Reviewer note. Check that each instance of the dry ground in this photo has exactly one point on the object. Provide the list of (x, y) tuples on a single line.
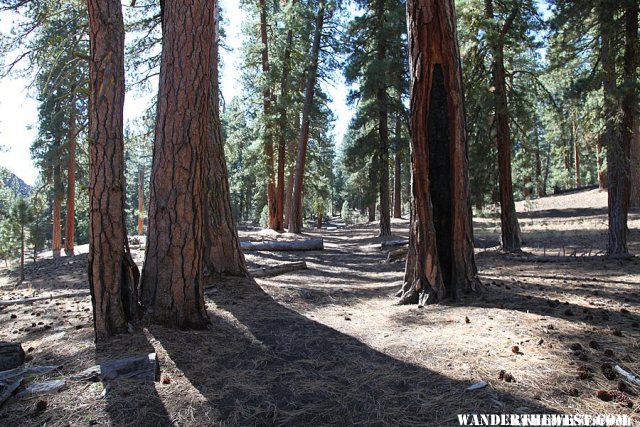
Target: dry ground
[(326, 346)]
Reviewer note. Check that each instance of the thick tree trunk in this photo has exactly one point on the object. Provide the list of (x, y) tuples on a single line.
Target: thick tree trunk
[(511, 241), (140, 200), (371, 209), (223, 255), (295, 216), (618, 143), (268, 133), (440, 260), (173, 283), (56, 231), (69, 235), (113, 277)]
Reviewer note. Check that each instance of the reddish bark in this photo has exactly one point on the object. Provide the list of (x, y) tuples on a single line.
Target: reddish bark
[(173, 282), (619, 148), (140, 200), (273, 222), (397, 175), (223, 255), (113, 277), (510, 228), (383, 126), (440, 260), (295, 215), (69, 234), (56, 230)]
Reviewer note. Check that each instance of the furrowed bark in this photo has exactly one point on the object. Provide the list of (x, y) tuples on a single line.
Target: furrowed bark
[(440, 259), (113, 277), (173, 282)]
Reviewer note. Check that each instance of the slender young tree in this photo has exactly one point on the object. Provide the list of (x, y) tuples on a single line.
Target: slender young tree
[(21, 215), (295, 214), (511, 240), (173, 282), (113, 276), (69, 224), (440, 261)]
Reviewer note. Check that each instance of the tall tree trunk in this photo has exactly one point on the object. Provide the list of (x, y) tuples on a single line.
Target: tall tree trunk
[(383, 125), (113, 276), (303, 138), (635, 167), (282, 137), (576, 148), (140, 200), (617, 144), (223, 255), (69, 234), (511, 241), (21, 253), (56, 231), (397, 185), (440, 261), (619, 148), (173, 282), (268, 133), (539, 186)]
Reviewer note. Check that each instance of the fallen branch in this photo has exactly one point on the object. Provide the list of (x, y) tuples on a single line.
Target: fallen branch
[(6, 376), (7, 389), (572, 258), (632, 378), (278, 269), (281, 245), (4, 303)]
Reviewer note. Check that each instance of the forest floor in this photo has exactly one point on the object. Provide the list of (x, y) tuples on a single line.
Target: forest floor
[(327, 345)]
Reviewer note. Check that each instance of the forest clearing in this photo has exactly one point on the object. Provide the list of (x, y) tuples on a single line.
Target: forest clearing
[(327, 345), (319, 212)]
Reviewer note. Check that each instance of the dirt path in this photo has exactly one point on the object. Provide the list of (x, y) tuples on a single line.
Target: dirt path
[(326, 346)]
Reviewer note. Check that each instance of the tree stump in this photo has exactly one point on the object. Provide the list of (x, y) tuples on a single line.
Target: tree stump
[(11, 355)]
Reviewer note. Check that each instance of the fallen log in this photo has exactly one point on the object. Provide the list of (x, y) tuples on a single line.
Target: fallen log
[(11, 355), (36, 299), (141, 368), (393, 244), (8, 376), (397, 255), (281, 245), (45, 387), (570, 258), (278, 269)]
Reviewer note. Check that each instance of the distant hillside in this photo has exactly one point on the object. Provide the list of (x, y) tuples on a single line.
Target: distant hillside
[(15, 184)]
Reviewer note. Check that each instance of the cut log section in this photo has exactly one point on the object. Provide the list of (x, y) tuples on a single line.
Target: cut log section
[(278, 269), (141, 368), (281, 245), (397, 255), (11, 355)]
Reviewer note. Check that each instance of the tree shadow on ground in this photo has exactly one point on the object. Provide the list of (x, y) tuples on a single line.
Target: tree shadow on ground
[(265, 364)]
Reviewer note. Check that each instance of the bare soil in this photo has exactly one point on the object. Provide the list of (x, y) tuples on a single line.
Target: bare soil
[(327, 345)]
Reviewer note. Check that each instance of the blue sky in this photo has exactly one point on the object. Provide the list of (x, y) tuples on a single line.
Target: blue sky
[(18, 111)]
